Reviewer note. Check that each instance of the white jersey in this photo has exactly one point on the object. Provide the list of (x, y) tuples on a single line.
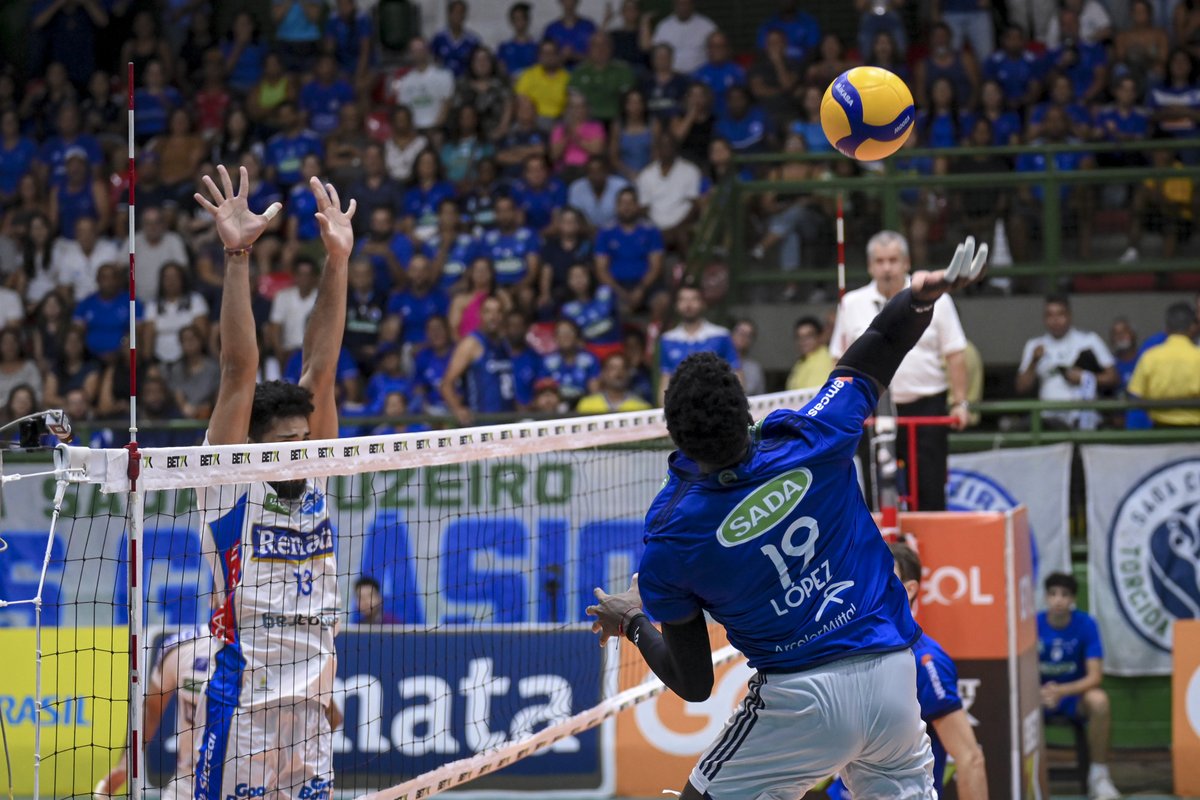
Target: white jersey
[(275, 592), (184, 665)]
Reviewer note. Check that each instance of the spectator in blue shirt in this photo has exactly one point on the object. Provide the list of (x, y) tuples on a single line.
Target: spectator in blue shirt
[(693, 334), (593, 309), (540, 195), (799, 28), (388, 377), (629, 255), (664, 88), (17, 155), (1062, 96), (104, 314), (719, 73), (1086, 65), (424, 194), (526, 362), (521, 51), (452, 47), (52, 155), (940, 125), (419, 301), (296, 31), (155, 101), (574, 369), (302, 225), (375, 189), (243, 52), (1005, 124), (349, 36), (1076, 199), (286, 150), (77, 196), (513, 249), (1015, 69), (570, 32), (742, 124), (465, 149), (322, 97), (451, 247), (1176, 102), (1071, 660), (388, 250), (429, 365), (1123, 121)]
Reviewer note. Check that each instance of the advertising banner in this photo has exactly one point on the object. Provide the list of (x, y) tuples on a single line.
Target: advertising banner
[(1143, 513), (1185, 708), (1038, 478)]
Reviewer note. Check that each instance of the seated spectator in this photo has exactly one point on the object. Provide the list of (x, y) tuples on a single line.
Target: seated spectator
[(829, 63), (16, 367), (773, 79), (104, 117), (594, 194), (302, 228), (36, 278), (1095, 24), (452, 47), (180, 152), (366, 307), (808, 126), (465, 147), (1171, 371), (1015, 68), (1065, 364), (396, 404), (375, 190), (244, 53), (521, 51), (948, 60), (1071, 661), (513, 250), (482, 366), (196, 376), (479, 205), (322, 98), (687, 31), (403, 146), (571, 33), (695, 127), (631, 141), (743, 124), (235, 140), (290, 310), (296, 33), (104, 314), (1123, 121), (744, 334), (1060, 96), (51, 320), (545, 83), (813, 361), (156, 404), (425, 193), (483, 89), (1005, 125), (576, 138), (348, 386), (17, 156), (882, 18), (274, 88), (801, 32), (613, 394), (547, 399), (426, 89), (719, 72), (1076, 199), (43, 99), (387, 251), (1163, 204), (177, 306), (452, 248), (154, 101), (669, 189), (664, 87), (389, 376), (74, 369), (478, 285), (641, 380), (940, 123), (593, 308), (368, 603), (573, 368), (76, 261), (1084, 64), (1176, 103), (287, 149), (79, 195), (12, 310), (602, 80), (526, 362), (632, 35), (346, 145), (570, 245), (968, 21), (795, 220), (431, 361), (885, 53), (349, 37), (523, 140), (629, 255), (539, 196), (693, 334), (980, 208), (419, 301)]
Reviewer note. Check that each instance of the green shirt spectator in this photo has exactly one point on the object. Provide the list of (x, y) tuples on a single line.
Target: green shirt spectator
[(602, 80)]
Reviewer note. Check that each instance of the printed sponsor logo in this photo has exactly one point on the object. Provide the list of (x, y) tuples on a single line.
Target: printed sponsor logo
[(270, 457), (176, 462), (350, 451), (272, 543), (764, 508), (949, 584), (299, 455), (827, 398), (298, 621), (148, 461), (1154, 551), (241, 458), (934, 679), (375, 447), (246, 790), (324, 452), (210, 459)]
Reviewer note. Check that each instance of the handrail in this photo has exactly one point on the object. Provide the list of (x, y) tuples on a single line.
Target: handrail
[(748, 159)]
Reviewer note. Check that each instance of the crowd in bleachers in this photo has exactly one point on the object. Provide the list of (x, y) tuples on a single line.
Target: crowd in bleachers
[(561, 172)]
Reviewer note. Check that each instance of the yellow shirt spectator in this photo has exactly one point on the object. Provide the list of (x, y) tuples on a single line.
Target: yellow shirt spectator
[(547, 90), (811, 371), (1170, 371), (599, 403)]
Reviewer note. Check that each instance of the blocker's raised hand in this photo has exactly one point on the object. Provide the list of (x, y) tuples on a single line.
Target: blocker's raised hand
[(336, 231), (966, 267), (237, 225)]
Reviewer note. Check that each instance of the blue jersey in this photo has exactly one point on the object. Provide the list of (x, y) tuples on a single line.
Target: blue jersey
[(1135, 123), (261, 198), (416, 310), (153, 110), (74, 205), (323, 103), (1004, 127), (381, 385), (346, 369), (422, 204), (941, 130), (489, 379), (527, 365), (539, 205), (572, 374), (1035, 161), (1076, 113), (347, 37), (1013, 74), (15, 161), (677, 344), (286, 153), (402, 248), (517, 56), (1063, 652), (1079, 63), (781, 549), (719, 78), (745, 134), (459, 255), (428, 369), (575, 37), (937, 692), (54, 154), (596, 318), (302, 207), (629, 251), (509, 253), (106, 322), (248, 68), (454, 54), (802, 31)]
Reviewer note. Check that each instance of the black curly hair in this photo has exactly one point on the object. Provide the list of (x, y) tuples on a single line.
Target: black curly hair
[(276, 400), (707, 411)]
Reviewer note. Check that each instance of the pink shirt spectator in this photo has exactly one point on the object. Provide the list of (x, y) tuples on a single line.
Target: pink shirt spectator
[(575, 155)]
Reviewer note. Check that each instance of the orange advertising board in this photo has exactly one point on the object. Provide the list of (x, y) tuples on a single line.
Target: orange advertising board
[(1185, 712)]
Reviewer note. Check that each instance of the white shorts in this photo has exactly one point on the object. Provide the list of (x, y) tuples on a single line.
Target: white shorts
[(857, 716), (272, 752)]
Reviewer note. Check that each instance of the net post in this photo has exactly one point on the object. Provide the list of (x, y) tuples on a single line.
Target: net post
[(135, 515), (132, 270), (841, 246)]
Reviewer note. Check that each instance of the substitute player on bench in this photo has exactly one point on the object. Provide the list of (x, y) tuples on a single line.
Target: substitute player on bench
[(270, 544), (765, 528)]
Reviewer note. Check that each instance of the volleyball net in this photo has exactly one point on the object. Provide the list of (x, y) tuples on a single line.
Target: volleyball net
[(451, 579)]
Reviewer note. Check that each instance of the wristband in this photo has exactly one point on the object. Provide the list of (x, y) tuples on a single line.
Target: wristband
[(627, 621), (239, 251)]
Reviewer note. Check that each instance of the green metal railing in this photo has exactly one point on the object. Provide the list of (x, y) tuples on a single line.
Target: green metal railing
[(1035, 431), (723, 225)]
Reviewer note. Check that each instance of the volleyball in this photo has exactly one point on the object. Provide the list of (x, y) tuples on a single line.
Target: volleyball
[(867, 113)]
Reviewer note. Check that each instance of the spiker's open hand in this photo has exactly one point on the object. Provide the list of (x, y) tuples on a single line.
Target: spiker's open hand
[(336, 232), (966, 267), (611, 610), (237, 225)]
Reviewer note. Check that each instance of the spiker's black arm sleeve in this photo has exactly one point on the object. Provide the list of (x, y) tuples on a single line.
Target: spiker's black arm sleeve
[(680, 656), (894, 331)]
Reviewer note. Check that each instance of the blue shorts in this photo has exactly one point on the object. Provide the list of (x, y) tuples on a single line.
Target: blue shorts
[(1067, 707)]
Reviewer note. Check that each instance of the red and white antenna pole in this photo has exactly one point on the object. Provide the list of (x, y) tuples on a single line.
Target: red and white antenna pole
[(841, 247)]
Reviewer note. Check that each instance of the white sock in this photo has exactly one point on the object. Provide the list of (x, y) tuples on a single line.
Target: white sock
[(1097, 771)]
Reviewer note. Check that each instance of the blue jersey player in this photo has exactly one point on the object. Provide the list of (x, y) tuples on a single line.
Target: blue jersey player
[(763, 527), (483, 365)]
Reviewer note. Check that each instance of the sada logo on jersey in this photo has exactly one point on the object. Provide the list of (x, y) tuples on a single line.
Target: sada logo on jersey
[(273, 543), (764, 508), (1154, 551)]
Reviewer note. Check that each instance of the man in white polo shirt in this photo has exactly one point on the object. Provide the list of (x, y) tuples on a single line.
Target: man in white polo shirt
[(933, 366), (669, 188), (687, 32)]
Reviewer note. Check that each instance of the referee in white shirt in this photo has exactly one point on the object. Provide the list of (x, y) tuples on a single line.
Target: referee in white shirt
[(933, 366)]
